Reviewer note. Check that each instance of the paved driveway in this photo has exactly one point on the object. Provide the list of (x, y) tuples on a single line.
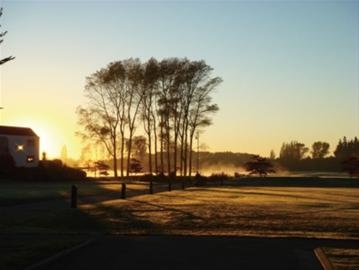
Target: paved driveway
[(184, 252)]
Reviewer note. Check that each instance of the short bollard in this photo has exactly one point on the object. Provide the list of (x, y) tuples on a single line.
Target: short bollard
[(183, 184), (169, 186), (123, 191), (73, 196), (151, 187)]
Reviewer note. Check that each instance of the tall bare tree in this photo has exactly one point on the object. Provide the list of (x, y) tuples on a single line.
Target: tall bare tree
[(167, 81), (150, 85), (134, 96), (99, 119), (200, 111), (115, 77), (196, 79), (2, 34)]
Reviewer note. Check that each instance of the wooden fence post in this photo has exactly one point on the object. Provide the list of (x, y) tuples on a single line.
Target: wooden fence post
[(123, 191), (73, 196)]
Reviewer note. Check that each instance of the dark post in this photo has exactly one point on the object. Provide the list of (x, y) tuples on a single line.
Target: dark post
[(221, 181), (183, 184), (73, 196), (169, 185), (123, 191), (151, 187)]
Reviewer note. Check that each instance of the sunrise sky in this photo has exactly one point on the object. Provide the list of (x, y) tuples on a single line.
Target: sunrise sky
[(290, 68)]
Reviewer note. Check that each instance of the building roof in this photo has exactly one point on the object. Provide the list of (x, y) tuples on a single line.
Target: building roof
[(16, 131)]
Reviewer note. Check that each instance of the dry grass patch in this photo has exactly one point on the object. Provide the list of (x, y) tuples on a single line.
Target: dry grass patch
[(301, 212)]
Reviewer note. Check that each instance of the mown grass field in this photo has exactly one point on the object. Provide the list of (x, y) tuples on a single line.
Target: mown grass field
[(42, 210), (239, 211)]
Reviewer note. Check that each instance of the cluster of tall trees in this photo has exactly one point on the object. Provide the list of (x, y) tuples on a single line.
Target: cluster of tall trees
[(170, 98)]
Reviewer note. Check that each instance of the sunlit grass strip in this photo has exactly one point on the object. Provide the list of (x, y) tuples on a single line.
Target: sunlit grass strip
[(271, 212)]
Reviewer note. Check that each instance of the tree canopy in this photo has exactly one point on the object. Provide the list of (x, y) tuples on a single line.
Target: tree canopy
[(259, 165), (171, 98)]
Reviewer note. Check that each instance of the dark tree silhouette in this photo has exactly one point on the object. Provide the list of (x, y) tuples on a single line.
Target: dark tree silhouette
[(135, 166), (101, 119), (2, 34), (7, 162), (134, 95), (102, 167), (172, 96), (347, 148), (272, 155), (293, 151), (150, 92), (259, 165), (320, 149), (351, 166)]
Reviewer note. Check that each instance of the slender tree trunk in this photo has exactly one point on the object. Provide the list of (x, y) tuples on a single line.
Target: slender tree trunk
[(175, 147), (168, 148), (185, 148), (149, 148), (129, 153), (155, 142), (122, 153), (115, 158), (161, 146), (190, 153), (182, 149), (175, 155)]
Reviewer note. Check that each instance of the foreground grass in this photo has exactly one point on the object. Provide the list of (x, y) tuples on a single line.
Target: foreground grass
[(18, 252), (15, 193), (299, 212), (240, 211), (230, 211)]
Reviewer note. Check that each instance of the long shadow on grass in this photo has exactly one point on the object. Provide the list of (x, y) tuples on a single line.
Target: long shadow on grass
[(122, 219), (186, 214)]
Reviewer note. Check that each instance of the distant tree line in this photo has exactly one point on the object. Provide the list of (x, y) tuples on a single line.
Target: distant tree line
[(296, 156), (293, 156), (171, 98)]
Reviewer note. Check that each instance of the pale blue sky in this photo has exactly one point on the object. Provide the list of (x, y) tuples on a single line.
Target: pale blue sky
[(290, 68)]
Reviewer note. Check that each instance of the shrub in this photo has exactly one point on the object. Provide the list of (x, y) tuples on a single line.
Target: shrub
[(7, 164), (218, 176), (49, 173)]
